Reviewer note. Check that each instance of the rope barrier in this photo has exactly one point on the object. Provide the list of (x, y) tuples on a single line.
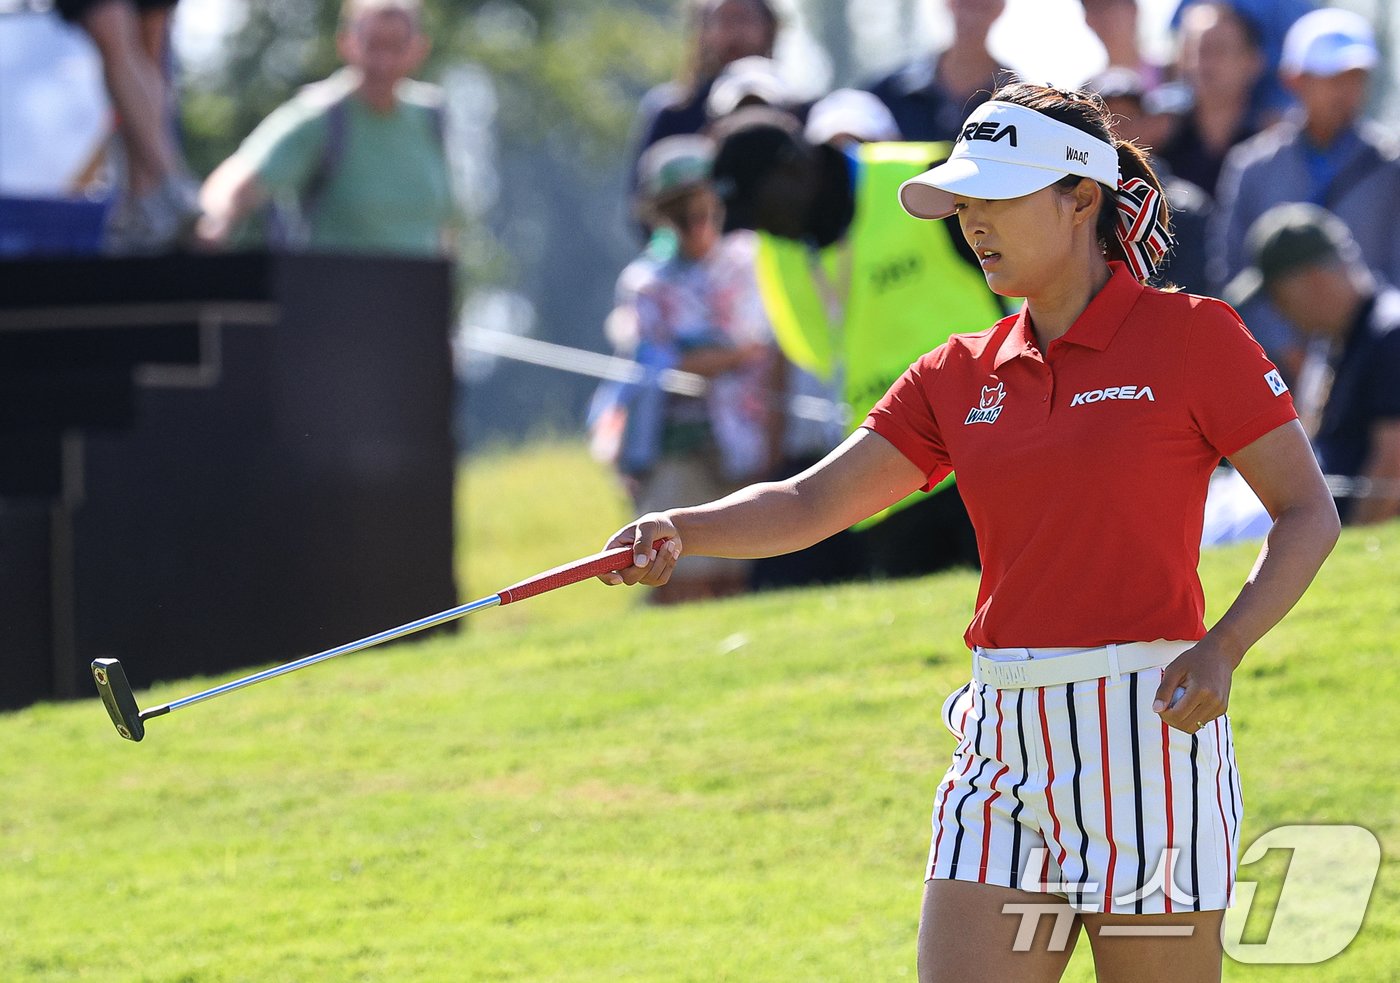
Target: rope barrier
[(596, 365)]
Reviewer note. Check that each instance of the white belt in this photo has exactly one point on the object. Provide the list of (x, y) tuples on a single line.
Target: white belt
[(1025, 668)]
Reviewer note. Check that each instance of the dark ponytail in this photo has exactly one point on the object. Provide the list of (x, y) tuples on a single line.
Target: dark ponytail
[(1087, 111)]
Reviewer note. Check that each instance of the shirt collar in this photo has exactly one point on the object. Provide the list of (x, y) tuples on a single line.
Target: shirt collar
[(1094, 328)]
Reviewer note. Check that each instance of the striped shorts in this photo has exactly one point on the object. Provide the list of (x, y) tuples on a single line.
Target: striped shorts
[(1080, 790)]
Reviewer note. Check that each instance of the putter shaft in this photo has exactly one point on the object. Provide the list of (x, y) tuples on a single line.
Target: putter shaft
[(115, 690), (369, 641)]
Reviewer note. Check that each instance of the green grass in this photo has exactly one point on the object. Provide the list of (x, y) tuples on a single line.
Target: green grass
[(586, 789), (519, 513)]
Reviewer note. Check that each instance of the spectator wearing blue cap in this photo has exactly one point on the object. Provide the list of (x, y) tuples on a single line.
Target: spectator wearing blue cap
[(1324, 153)]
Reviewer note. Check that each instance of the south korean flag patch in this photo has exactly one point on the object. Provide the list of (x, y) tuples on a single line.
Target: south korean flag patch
[(1276, 383)]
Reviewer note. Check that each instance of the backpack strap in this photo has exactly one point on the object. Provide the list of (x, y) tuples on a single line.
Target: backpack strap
[(333, 150), (437, 115), (292, 231), (337, 117)]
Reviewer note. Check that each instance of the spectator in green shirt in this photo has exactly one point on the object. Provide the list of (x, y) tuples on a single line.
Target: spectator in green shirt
[(354, 163)]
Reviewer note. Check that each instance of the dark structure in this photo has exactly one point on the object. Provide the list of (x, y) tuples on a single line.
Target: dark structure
[(213, 462)]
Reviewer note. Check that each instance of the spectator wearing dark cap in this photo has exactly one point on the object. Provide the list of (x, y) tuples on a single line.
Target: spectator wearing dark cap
[(1125, 95), (1323, 153), (1348, 391), (846, 280), (931, 96)]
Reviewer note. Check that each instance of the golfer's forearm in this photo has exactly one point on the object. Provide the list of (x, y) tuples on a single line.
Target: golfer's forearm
[(1293, 552), (765, 519), (861, 477)]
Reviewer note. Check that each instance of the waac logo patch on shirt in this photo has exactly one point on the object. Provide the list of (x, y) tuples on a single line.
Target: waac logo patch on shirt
[(988, 407)]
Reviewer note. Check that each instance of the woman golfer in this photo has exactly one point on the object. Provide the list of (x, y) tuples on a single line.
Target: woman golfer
[(1095, 770)]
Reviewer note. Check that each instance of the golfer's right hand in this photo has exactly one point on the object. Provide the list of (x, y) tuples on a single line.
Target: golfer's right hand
[(650, 566)]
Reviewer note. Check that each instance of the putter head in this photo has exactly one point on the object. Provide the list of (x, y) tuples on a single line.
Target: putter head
[(117, 698)]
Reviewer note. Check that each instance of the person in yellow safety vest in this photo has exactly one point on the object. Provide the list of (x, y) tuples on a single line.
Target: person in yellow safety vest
[(848, 281)]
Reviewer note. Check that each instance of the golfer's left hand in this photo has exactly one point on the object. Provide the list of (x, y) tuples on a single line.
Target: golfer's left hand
[(1205, 671)]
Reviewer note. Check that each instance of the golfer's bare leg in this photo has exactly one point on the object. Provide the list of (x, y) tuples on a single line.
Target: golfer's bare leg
[(1157, 957), (968, 935)]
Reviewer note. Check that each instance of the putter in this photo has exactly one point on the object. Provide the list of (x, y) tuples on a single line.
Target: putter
[(130, 720)]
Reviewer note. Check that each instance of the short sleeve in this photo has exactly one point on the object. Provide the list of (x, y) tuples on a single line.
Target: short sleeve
[(904, 416), (1235, 392), (284, 148)]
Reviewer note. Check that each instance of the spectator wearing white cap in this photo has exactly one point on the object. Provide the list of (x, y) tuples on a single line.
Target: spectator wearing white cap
[(846, 117), (1324, 153), (751, 81), (930, 96)]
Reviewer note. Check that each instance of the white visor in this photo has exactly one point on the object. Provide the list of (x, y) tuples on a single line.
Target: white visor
[(1006, 151)]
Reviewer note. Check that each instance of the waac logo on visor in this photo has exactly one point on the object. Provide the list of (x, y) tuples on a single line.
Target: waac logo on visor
[(1007, 151)]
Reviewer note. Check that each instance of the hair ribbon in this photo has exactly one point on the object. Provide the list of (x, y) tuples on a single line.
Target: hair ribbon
[(1141, 232)]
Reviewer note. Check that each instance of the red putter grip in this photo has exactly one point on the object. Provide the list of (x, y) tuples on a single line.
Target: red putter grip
[(571, 573)]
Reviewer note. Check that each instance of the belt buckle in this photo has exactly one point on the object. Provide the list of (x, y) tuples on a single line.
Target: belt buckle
[(1007, 673), (1012, 675)]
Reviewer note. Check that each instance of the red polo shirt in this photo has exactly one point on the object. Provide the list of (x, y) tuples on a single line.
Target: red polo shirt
[(1085, 468)]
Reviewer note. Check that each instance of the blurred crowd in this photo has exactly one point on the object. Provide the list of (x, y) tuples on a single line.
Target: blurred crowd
[(775, 262), (356, 162), (776, 277)]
